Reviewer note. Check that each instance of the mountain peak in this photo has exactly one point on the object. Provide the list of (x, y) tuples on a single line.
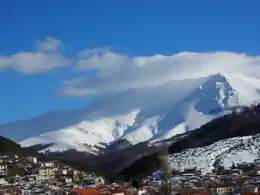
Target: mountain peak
[(223, 76), (215, 79), (225, 90)]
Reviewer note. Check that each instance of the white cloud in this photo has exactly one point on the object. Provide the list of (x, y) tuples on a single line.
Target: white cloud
[(29, 62), (93, 52), (50, 44), (39, 61), (116, 72), (107, 63)]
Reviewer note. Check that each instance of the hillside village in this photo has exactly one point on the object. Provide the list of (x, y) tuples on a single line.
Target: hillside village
[(28, 176)]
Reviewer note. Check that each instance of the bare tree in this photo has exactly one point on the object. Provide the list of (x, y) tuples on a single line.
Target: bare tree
[(164, 161), (186, 188), (240, 183)]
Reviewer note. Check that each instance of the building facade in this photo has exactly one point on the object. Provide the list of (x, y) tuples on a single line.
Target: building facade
[(3, 169)]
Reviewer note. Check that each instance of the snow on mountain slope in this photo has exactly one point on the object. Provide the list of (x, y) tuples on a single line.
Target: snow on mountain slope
[(138, 115), (224, 152), (217, 95), (84, 135)]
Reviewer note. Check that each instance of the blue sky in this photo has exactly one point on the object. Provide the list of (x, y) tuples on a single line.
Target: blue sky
[(132, 28)]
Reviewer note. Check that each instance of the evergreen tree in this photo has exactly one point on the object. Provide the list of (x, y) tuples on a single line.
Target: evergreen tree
[(135, 183)]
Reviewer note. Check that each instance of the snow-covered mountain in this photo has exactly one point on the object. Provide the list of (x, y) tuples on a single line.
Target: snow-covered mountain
[(224, 153), (144, 114)]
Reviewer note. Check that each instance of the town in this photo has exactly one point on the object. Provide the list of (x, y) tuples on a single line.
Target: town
[(28, 176)]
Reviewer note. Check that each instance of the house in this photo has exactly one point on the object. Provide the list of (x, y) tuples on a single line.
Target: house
[(118, 191), (238, 171), (93, 180), (104, 190), (16, 158), (25, 192), (76, 175), (48, 164), (222, 189), (67, 175), (142, 191), (89, 180), (68, 180), (3, 182), (32, 159), (190, 170), (189, 175), (3, 169), (157, 176), (32, 178), (3, 159), (246, 167), (219, 170), (99, 181), (45, 173)]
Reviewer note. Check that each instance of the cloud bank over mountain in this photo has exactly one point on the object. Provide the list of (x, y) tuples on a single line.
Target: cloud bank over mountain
[(107, 71), (116, 72)]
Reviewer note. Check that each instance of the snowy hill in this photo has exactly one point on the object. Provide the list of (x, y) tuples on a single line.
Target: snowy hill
[(233, 137), (224, 153), (144, 114)]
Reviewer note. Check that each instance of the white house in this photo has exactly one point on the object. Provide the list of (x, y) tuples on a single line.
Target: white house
[(45, 174), (48, 164), (99, 181), (32, 159), (222, 189), (26, 192), (68, 180), (3, 169), (3, 159)]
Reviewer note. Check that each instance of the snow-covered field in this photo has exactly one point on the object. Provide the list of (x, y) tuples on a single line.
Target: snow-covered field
[(224, 152)]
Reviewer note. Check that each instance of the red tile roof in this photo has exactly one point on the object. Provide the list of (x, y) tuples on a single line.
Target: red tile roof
[(118, 190), (89, 191), (101, 187), (249, 193)]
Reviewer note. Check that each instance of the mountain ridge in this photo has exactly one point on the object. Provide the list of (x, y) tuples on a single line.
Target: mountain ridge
[(138, 115)]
